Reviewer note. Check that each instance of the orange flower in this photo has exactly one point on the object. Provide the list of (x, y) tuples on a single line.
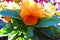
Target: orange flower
[(7, 19), (31, 11)]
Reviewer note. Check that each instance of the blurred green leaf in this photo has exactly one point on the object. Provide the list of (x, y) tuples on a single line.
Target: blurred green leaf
[(47, 22), (56, 30), (3, 31), (30, 31), (7, 29), (20, 38), (49, 33), (11, 13), (34, 38)]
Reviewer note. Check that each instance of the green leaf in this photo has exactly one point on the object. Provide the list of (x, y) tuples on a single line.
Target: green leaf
[(13, 37), (56, 30), (20, 38), (35, 38), (7, 29), (30, 31), (12, 34), (3, 30), (49, 33), (46, 22), (11, 13)]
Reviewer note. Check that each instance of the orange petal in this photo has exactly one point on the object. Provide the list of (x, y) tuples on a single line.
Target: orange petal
[(27, 4), (30, 20), (7, 18), (24, 13), (33, 10), (39, 13)]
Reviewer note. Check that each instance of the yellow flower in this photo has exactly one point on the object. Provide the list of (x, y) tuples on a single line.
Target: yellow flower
[(58, 13), (50, 10), (4, 5), (13, 6), (0, 6)]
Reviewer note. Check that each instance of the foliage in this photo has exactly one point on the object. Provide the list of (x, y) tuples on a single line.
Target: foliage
[(45, 29)]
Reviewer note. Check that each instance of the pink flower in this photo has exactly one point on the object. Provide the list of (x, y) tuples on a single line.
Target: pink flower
[(9, 0), (40, 1)]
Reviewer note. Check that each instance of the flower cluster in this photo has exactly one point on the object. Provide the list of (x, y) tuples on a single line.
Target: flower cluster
[(29, 19), (31, 10), (9, 5)]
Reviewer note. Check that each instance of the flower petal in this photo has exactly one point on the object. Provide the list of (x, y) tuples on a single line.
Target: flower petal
[(7, 19), (30, 20)]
